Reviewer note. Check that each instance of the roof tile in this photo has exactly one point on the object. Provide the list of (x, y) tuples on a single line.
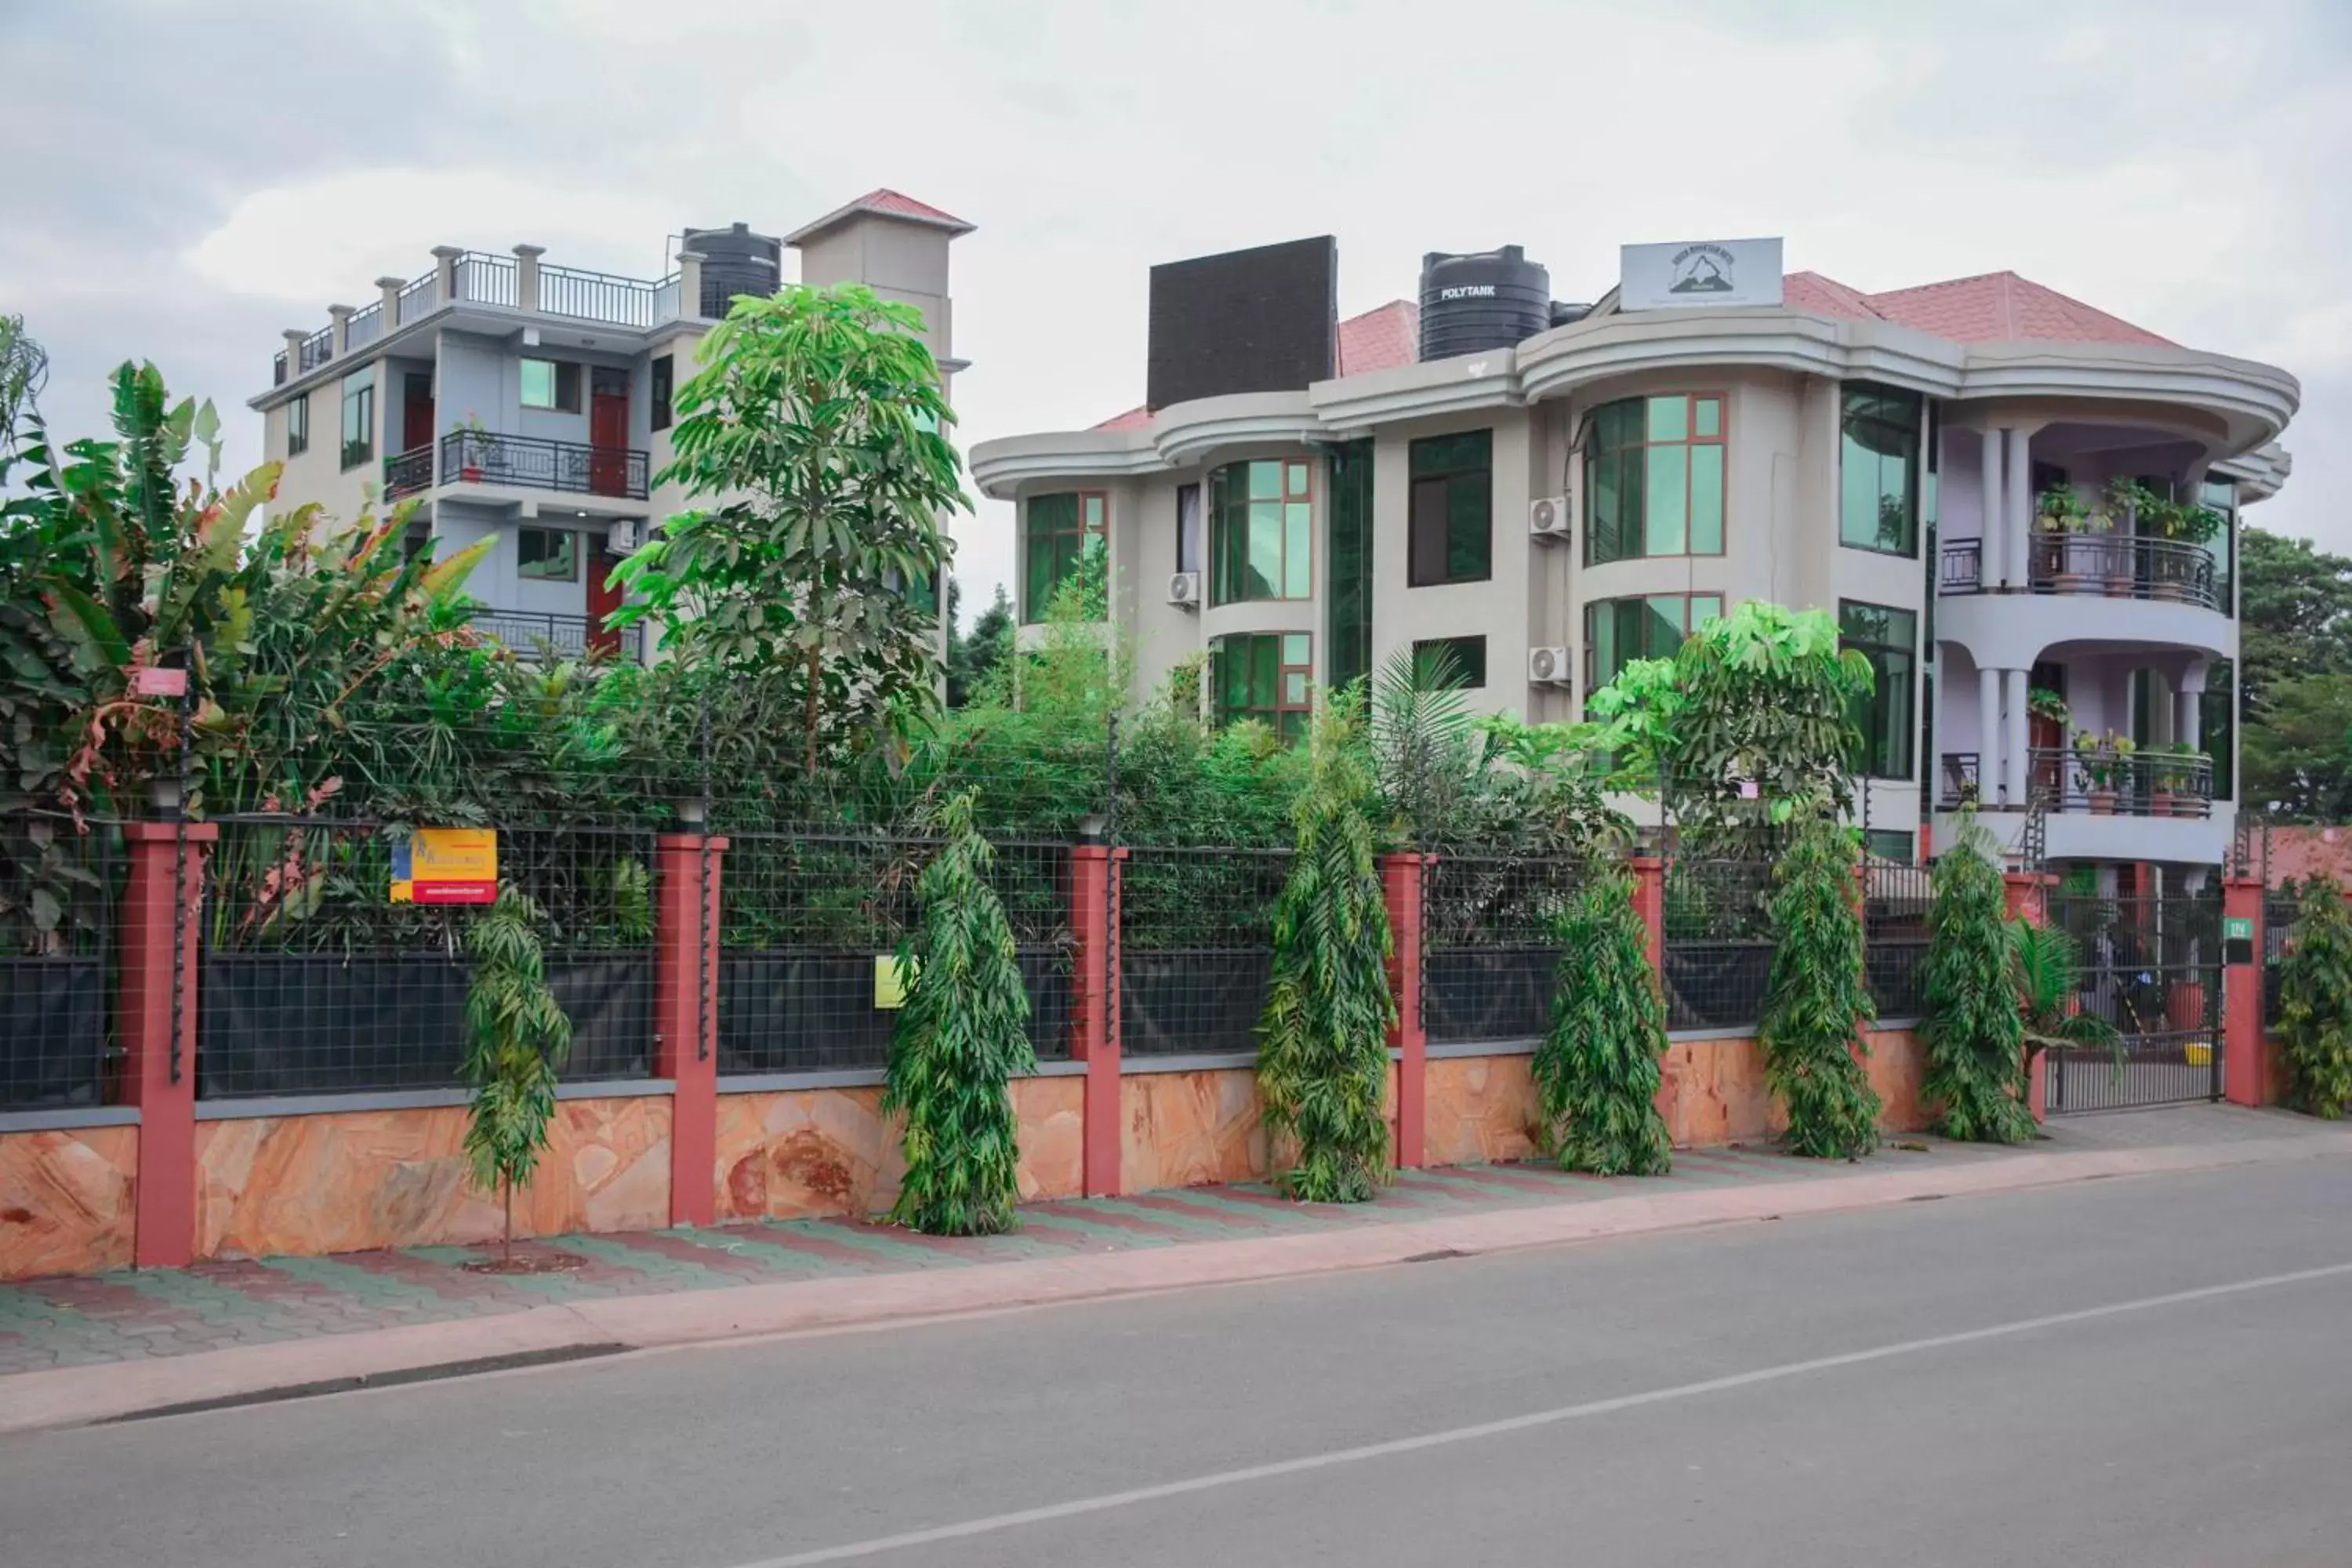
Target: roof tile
[(2003, 307)]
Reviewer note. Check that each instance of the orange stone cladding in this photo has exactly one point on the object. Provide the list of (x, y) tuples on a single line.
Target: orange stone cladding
[(66, 1200), (345, 1181)]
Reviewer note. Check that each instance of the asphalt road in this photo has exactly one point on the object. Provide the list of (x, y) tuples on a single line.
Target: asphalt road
[(2151, 1372)]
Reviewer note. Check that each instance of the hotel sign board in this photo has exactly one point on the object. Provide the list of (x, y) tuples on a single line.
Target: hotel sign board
[(1698, 272)]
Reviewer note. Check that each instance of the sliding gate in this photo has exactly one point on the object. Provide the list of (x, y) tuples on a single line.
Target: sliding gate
[(2152, 967)]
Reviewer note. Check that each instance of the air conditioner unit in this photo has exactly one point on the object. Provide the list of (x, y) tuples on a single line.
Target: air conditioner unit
[(1548, 666), (1184, 590), (1547, 518), (624, 536)]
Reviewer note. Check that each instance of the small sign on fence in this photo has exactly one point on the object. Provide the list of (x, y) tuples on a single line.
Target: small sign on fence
[(447, 866), (2237, 938), (889, 992)]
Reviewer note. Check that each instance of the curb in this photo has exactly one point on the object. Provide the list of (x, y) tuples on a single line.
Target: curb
[(73, 1397)]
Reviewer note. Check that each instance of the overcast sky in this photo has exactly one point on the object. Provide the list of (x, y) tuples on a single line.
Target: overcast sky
[(192, 178)]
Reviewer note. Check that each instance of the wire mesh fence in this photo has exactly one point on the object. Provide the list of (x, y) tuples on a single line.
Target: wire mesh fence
[(2151, 967), (2278, 929), (1491, 943), (1895, 898), (810, 929), (312, 981), (1195, 948), (1717, 958), (61, 883)]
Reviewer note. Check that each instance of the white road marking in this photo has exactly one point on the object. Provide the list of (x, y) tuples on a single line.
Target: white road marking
[(992, 1523)]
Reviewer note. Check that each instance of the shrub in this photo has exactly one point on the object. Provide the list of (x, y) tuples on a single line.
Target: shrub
[(1969, 1020), (2315, 1002), (1817, 1005), (517, 1038), (1597, 1071)]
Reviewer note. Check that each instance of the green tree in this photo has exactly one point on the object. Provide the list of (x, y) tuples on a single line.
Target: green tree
[(2294, 677), (1323, 1056), (961, 1038), (813, 436), (2297, 750), (2315, 1001), (2046, 968), (1816, 1006), (1968, 1017), (23, 367), (974, 656), (1597, 1071), (517, 1038)]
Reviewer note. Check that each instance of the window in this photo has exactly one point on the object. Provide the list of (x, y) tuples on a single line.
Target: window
[(1887, 844), (298, 425), (1263, 677), (1889, 639), (1060, 532), (922, 593), (663, 370), (1451, 523), (1348, 653), (1188, 528), (1465, 656), (2221, 495), (2217, 725), (1878, 469), (547, 554), (551, 383), (359, 417), (1261, 522), (1619, 631), (1653, 478)]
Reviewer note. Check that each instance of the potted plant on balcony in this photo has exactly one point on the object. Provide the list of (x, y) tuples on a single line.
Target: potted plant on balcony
[(475, 441), (2060, 512), (2172, 770), (2044, 703)]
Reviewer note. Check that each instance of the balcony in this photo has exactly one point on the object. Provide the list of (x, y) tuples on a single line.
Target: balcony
[(528, 462), (557, 636), (2094, 784), (409, 472), (2098, 566)]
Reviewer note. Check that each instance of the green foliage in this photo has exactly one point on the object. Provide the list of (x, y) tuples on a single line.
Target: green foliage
[(1816, 1006), (974, 656), (1596, 1073), (516, 1040), (814, 434), (1323, 1058), (24, 366), (2294, 675), (1969, 1020), (961, 1038), (2045, 969), (2297, 751), (2315, 1001)]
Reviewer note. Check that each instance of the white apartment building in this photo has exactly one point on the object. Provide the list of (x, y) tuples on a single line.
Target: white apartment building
[(1553, 490), (511, 398)]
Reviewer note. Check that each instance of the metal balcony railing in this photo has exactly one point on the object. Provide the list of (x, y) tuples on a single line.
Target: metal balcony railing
[(2097, 566), (484, 278), (315, 351), (2101, 784), (470, 456), (409, 472), (365, 327), (557, 635), (598, 296), (1958, 784), (422, 296)]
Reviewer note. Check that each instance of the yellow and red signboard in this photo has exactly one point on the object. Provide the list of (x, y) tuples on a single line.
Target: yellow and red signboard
[(447, 866)]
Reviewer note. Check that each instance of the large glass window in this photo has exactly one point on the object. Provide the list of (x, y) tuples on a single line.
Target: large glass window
[(1264, 677), (551, 383), (2221, 495), (2217, 725), (664, 374), (547, 554), (1261, 530), (1878, 469), (298, 425), (1465, 657), (359, 417), (1188, 528), (1347, 655), (1056, 533), (1452, 525), (1653, 478), (1619, 631), (1889, 639)]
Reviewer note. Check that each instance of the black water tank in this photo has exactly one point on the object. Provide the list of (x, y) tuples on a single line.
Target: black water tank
[(735, 261), (1563, 312), (1487, 300)]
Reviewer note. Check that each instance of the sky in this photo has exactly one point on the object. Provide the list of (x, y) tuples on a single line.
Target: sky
[(192, 179)]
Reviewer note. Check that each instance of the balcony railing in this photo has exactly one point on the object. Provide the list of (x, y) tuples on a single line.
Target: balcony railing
[(2098, 566), (420, 298), (475, 457), (409, 472), (486, 279), (315, 351), (2101, 784), (598, 296), (557, 636), (365, 327), (1959, 785)]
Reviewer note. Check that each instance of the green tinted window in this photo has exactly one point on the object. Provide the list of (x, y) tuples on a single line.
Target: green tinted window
[(1348, 652), (1056, 533), (1878, 469), (1266, 677), (1653, 478), (1450, 525), (1261, 532), (1619, 631), (1889, 639)]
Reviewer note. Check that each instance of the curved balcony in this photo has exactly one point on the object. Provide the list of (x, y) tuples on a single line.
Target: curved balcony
[(2099, 806), (2100, 565)]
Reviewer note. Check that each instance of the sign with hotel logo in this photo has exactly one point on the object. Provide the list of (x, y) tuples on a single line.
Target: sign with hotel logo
[(1689, 273)]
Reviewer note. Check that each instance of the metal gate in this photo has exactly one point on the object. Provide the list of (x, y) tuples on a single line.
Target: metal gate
[(2152, 967)]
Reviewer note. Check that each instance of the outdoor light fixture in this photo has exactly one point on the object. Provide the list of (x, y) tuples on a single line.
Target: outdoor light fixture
[(163, 794), (1091, 828), (690, 811)]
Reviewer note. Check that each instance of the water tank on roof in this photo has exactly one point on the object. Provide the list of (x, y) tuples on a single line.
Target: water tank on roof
[(1485, 300), (735, 261), (1563, 312)]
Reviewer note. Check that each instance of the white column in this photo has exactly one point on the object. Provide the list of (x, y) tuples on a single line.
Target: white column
[(2188, 718), (445, 272), (2019, 513), (340, 315), (1988, 773), (2016, 758), (690, 283), (527, 276), (388, 289), (1990, 553), (294, 336)]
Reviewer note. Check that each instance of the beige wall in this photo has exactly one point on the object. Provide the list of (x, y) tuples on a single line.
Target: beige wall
[(318, 475)]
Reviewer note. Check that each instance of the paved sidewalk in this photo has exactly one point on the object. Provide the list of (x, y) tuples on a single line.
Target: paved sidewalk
[(77, 1349)]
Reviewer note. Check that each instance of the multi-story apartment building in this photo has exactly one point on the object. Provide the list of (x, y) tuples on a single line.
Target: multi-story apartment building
[(1550, 490), (507, 397)]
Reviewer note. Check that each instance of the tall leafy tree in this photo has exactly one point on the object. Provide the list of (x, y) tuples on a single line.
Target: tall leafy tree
[(2045, 966), (1597, 1071), (1969, 1019), (1323, 1056), (2298, 748), (517, 1038), (1816, 1006), (973, 657), (813, 436), (2294, 675), (961, 1038), (2315, 1001)]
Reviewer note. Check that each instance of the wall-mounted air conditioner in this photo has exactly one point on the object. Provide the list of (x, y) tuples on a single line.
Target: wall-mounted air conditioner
[(1547, 518), (1184, 590), (624, 536), (1548, 666)]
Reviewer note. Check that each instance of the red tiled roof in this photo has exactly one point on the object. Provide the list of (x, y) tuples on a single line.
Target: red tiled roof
[(2002, 308), (1377, 340), (895, 203), (1825, 297), (1133, 419)]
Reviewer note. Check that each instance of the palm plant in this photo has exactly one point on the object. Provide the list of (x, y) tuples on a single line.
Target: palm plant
[(2044, 968), (1816, 1004), (1596, 1072), (2315, 1001), (1969, 1019), (517, 1037), (1323, 1058), (962, 1037)]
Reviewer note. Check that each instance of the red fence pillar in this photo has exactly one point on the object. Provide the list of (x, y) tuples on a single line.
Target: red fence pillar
[(158, 1069), (685, 1017), (1650, 903), (2027, 897), (2245, 1053), (1401, 884), (1094, 875)]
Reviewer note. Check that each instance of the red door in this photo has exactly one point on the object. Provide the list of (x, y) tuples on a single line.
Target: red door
[(603, 599), (608, 431), (417, 411)]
